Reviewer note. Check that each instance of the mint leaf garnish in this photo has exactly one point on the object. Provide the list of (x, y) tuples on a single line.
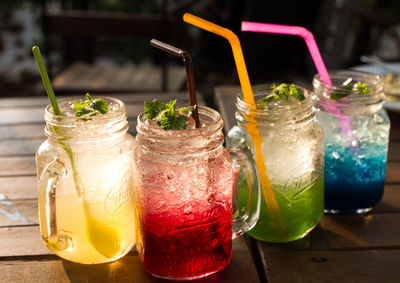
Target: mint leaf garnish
[(264, 101), (283, 90), (166, 115), (152, 108), (90, 107), (348, 87), (80, 106), (362, 88), (296, 93)]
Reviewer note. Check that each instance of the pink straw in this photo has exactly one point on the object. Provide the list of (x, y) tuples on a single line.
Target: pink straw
[(294, 30), (319, 64)]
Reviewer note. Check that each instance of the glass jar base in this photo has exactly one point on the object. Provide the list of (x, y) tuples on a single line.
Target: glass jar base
[(85, 262), (286, 240), (182, 278), (348, 211)]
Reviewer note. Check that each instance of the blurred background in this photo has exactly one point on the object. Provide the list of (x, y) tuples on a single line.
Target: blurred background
[(102, 46)]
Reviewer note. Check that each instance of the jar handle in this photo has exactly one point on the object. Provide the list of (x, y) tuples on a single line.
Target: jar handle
[(244, 216), (47, 206)]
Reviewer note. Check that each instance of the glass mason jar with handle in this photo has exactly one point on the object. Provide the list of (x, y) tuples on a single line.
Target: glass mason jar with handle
[(291, 144), (356, 140), (186, 198), (84, 170)]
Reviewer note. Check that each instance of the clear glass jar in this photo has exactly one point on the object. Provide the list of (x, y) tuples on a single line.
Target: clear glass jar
[(291, 159), (84, 171), (356, 142), (184, 209)]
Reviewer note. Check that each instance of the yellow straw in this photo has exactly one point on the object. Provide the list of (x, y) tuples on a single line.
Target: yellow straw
[(248, 96)]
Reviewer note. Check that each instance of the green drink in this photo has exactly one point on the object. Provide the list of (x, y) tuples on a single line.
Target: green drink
[(300, 214), (292, 148)]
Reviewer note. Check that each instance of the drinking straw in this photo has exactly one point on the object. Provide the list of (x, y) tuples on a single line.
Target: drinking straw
[(294, 30), (46, 79), (344, 121), (236, 49), (104, 239), (271, 203), (187, 60)]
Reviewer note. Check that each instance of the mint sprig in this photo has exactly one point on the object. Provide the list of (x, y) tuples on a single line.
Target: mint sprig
[(349, 87), (90, 107), (166, 115), (362, 88), (283, 90)]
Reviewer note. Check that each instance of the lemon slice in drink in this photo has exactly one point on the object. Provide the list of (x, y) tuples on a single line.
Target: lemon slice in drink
[(103, 238)]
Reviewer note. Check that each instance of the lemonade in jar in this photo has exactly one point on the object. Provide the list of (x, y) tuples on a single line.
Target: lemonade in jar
[(85, 182)]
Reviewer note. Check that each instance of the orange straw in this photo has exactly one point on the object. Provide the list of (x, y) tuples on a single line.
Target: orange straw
[(236, 49), (248, 96)]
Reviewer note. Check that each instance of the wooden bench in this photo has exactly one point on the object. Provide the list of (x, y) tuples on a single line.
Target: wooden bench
[(117, 79), (80, 29)]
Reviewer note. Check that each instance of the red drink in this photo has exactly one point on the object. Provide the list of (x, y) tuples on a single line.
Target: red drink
[(184, 185), (185, 228), (188, 251)]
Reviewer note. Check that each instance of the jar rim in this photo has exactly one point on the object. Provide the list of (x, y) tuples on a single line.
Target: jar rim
[(207, 138), (375, 83), (297, 112), (214, 124), (65, 120), (86, 129), (264, 90)]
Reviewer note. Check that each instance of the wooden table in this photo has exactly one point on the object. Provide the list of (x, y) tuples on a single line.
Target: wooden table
[(343, 248), (23, 256)]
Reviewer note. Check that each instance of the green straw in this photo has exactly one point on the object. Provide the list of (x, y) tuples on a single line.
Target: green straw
[(46, 79)]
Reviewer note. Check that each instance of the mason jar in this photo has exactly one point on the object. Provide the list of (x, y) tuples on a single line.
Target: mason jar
[(84, 171), (187, 210), (288, 146), (356, 141)]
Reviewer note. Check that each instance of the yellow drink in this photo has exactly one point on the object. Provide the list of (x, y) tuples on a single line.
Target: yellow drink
[(86, 206), (114, 240)]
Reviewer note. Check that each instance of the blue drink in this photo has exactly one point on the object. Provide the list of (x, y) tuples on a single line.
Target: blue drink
[(351, 187), (356, 129)]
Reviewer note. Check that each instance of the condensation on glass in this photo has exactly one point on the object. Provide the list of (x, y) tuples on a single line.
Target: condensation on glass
[(84, 171), (356, 142), (187, 196), (291, 143)]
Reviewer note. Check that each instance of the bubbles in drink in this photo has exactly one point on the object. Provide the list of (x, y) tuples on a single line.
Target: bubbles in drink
[(187, 214), (355, 170), (90, 165), (292, 149), (192, 124)]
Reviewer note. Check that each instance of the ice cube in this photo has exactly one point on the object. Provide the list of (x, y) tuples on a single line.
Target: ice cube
[(273, 105), (151, 123), (335, 155), (292, 100), (192, 124), (378, 119)]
